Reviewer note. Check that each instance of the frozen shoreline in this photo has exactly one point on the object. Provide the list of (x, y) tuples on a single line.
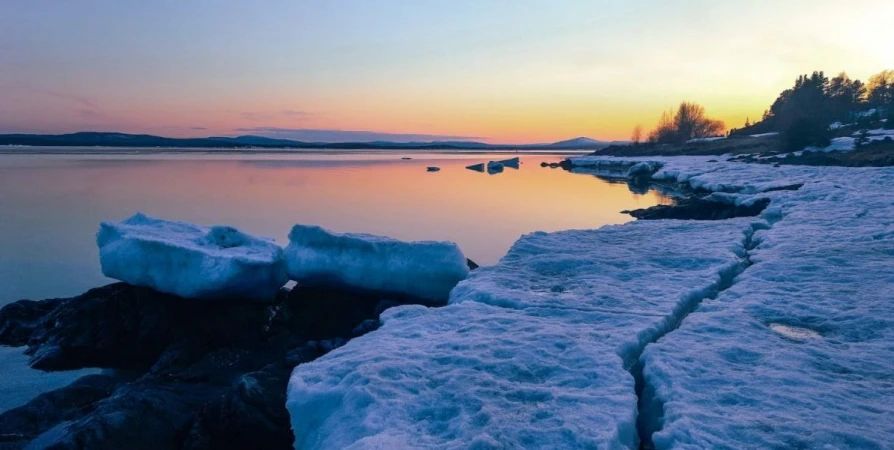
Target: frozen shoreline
[(718, 373), (769, 331)]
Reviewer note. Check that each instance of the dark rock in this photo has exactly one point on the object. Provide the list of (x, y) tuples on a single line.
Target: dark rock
[(198, 374), (553, 165), (23, 424), (472, 265), (432, 169), (700, 209), (124, 327), (544, 164), (788, 187), (19, 320)]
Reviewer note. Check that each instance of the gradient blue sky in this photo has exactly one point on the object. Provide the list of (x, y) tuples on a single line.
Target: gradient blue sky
[(495, 70)]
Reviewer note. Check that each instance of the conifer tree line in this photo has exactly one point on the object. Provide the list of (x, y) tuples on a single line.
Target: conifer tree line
[(801, 114)]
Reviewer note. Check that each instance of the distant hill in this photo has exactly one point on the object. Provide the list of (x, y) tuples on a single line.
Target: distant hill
[(103, 139), (580, 142)]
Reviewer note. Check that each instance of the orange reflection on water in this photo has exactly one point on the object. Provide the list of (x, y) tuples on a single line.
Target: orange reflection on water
[(57, 203)]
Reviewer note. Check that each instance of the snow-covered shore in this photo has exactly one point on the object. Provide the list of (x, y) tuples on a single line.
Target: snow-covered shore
[(774, 331)]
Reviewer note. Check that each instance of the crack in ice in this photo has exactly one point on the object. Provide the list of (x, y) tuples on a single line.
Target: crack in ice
[(650, 411)]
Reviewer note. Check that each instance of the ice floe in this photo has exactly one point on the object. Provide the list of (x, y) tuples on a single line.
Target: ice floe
[(427, 269), (189, 260)]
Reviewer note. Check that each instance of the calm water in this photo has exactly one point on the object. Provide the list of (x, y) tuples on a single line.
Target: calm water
[(51, 205)]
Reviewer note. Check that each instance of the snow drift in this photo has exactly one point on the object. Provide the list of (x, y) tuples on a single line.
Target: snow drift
[(427, 269), (189, 260)]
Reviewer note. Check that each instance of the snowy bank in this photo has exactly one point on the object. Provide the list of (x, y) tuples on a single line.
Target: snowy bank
[(190, 261), (425, 269), (535, 351), (770, 332), (797, 352)]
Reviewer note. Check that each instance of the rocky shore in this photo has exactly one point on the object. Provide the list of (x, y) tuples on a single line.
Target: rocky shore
[(180, 374)]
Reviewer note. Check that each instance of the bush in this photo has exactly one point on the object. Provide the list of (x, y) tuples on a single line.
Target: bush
[(806, 132)]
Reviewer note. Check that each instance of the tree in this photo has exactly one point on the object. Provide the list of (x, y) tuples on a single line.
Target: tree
[(637, 135), (844, 96), (689, 121), (880, 88)]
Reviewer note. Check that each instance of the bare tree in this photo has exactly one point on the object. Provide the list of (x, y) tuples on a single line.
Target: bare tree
[(689, 121), (880, 88), (637, 135)]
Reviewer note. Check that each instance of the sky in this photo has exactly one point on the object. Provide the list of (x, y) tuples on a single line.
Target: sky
[(499, 71)]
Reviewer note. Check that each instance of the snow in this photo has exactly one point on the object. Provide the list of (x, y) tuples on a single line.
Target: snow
[(767, 332), (706, 139), (494, 167), (191, 261), (848, 143), (760, 135), (465, 376), (426, 269), (797, 352), (533, 352)]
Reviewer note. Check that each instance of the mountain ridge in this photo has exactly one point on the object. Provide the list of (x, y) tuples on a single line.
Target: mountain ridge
[(115, 139)]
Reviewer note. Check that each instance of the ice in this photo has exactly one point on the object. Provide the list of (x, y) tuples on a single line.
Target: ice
[(494, 167), (533, 352), (480, 167), (797, 352), (641, 267), (768, 332), (189, 260), (512, 163), (425, 270), (465, 376)]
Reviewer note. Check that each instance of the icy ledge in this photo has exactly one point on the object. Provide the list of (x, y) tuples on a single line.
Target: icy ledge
[(190, 261), (536, 351)]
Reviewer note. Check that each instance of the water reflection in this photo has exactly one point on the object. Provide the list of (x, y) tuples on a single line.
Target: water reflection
[(50, 205)]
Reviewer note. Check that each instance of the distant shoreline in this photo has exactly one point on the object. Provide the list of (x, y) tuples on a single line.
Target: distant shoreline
[(124, 151)]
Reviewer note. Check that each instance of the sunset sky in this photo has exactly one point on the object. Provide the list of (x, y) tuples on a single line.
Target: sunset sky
[(501, 71)]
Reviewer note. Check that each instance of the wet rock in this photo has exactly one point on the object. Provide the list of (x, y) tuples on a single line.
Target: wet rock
[(19, 320), (193, 374), (700, 209), (23, 424), (120, 326)]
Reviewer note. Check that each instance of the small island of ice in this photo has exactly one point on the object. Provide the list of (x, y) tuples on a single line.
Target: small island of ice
[(426, 270), (190, 261)]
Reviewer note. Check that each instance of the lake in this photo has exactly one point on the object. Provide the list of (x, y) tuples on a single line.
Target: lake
[(51, 206)]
